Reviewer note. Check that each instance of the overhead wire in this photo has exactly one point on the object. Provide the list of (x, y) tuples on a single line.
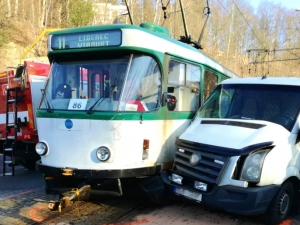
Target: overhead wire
[(223, 7), (248, 24), (262, 44), (164, 8)]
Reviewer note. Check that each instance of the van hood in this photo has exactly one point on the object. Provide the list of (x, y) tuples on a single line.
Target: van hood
[(232, 136)]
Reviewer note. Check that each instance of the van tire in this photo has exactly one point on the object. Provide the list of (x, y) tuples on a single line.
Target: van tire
[(280, 205)]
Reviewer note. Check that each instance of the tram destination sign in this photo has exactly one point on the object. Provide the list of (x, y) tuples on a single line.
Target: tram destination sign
[(95, 39)]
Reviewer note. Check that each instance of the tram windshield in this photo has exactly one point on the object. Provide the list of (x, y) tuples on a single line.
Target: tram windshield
[(274, 103), (119, 83)]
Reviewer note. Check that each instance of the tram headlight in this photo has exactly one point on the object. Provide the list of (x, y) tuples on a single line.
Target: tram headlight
[(253, 165), (41, 148), (103, 154)]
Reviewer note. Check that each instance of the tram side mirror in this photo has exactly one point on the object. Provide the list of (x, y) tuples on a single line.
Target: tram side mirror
[(169, 100), (172, 102), (19, 71)]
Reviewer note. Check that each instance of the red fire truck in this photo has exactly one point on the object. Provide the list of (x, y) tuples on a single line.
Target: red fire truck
[(20, 95)]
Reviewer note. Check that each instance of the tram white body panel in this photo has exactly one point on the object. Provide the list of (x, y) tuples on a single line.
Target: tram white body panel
[(144, 40), (76, 147)]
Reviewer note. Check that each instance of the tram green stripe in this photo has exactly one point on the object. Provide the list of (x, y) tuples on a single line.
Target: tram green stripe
[(162, 114)]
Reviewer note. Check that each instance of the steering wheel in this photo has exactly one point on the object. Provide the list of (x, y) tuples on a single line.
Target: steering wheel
[(282, 119)]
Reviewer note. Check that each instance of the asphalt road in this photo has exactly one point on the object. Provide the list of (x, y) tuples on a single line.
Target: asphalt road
[(23, 179)]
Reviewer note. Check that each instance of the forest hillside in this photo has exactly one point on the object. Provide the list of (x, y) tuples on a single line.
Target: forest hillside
[(271, 32)]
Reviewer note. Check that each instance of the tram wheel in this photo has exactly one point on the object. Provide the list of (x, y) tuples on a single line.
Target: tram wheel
[(27, 163)]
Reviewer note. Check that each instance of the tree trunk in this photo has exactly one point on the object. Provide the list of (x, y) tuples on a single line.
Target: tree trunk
[(23, 11), (8, 8), (59, 14), (230, 31), (68, 9), (156, 11), (16, 7), (43, 13), (47, 14), (32, 12)]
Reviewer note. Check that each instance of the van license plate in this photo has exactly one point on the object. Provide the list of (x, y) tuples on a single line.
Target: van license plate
[(188, 194)]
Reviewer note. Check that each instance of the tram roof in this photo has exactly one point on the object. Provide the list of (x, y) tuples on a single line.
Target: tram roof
[(200, 57), (292, 81)]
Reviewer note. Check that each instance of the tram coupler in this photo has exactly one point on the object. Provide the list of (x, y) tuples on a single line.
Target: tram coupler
[(82, 194)]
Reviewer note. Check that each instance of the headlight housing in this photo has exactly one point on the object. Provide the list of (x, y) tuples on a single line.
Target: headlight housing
[(103, 154), (253, 165), (41, 148)]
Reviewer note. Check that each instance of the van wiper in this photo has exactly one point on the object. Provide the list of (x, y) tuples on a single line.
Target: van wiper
[(234, 96), (112, 87)]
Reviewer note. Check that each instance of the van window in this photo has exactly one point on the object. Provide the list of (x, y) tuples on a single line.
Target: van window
[(210, 83), (278, 104), (184, 86)]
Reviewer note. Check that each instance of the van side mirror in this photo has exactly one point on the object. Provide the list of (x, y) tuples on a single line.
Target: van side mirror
[(19, 71)]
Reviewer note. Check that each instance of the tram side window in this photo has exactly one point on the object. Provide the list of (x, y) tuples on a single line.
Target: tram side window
[(210, 83), (184, 82), (223, 78)]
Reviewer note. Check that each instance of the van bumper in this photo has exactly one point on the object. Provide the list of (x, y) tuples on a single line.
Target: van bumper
[(238, 200)]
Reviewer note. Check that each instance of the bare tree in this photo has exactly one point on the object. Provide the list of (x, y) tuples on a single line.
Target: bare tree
[(43, 13), (8, 8), (16, 7)]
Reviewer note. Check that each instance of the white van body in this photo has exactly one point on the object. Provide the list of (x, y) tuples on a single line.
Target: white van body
[(241, 152)]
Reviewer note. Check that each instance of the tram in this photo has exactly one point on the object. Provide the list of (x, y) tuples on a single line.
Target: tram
[(117, 98)]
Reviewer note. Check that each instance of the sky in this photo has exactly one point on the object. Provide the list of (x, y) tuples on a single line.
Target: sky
[(290, 4)]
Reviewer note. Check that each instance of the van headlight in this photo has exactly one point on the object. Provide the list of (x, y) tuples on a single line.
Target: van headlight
[(253, 165), (41, 148), (103, 154)]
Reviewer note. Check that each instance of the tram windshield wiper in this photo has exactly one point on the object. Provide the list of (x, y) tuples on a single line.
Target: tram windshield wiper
[(49, 109), (112, 89), (48, 104)]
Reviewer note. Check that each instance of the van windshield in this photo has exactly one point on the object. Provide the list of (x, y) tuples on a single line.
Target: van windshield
[(274, 103), (117, 83)]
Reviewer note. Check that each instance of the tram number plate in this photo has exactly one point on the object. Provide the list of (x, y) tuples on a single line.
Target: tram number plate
[(189, 194), (77, 104)]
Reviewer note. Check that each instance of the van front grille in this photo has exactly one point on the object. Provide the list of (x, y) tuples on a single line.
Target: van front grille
[(209, 168)]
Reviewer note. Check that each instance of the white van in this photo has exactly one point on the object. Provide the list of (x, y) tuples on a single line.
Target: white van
[(241, 153)]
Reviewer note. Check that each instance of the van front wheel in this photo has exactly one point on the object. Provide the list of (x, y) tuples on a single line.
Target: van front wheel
[(281, 204)]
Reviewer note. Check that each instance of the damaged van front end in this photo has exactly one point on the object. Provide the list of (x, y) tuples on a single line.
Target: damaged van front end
[(241, 152)]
